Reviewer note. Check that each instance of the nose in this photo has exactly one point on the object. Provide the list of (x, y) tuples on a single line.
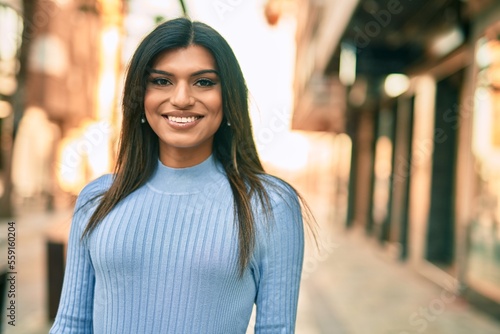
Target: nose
[(182, 97)]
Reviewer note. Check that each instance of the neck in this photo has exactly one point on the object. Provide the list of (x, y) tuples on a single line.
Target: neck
[(175, 157), (203, 177)]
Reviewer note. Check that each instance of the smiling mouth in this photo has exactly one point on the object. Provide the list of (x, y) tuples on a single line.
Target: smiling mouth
[(182, 120)]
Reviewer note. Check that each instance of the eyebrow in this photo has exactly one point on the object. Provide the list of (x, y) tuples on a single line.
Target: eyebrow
[(152, 70)]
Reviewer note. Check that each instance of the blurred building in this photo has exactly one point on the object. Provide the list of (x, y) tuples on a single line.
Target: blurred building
[(64, 120), (415, 84), (11, 27)]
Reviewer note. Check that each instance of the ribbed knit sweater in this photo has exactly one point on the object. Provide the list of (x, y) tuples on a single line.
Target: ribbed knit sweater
[(165, 259)]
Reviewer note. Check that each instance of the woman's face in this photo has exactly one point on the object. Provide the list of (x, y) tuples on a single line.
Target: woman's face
[(183, 103)]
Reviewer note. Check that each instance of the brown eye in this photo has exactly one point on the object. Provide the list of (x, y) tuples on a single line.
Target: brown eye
[(205, 83), (160, 82)]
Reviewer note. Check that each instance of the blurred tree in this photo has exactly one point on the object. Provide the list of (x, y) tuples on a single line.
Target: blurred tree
[(18, 103), (184, 8)]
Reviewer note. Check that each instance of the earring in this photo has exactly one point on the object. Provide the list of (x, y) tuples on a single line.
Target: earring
[(143, 119), (228, 123)]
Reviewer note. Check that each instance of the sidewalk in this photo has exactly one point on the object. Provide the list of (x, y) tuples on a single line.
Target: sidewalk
[(351, 287), (356, 289)]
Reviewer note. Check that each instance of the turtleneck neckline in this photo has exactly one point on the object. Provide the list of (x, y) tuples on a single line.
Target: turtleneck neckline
[(186, 180)]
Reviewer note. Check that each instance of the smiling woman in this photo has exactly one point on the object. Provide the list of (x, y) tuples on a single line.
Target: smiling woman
[(183, 105), (189, 232)]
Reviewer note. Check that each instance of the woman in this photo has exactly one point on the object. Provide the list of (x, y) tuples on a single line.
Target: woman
[(189, 232)]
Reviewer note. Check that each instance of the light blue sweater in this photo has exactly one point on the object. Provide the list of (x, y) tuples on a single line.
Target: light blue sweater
[(165, 260)]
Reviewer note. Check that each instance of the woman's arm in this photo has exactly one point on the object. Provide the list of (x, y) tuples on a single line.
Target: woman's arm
[(280, 266), (74, 315)]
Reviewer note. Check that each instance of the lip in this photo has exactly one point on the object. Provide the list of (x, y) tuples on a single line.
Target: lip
[(181, 114), (182, 126)]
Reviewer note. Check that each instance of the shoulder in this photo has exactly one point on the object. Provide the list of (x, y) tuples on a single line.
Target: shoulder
[(281, 227), (281, 194), (97, 186), (88, 199), (94, 189)]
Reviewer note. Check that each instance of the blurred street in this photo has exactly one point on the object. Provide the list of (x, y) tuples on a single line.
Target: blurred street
[(32, 224), (384, 114)]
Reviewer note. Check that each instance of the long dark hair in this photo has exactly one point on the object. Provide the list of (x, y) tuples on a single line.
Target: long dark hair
[(233, 145)]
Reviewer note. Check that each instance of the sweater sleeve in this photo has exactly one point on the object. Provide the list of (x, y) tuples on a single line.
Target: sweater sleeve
[(74, 315), (280, 264)]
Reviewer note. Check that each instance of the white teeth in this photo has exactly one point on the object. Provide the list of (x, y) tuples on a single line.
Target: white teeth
[(183, 119)]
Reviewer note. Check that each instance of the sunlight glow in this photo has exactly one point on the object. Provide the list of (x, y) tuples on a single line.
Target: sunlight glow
[(396, 84), (109, 59), (347, 71), (5, 109), (290, 153), (82, 155), (10, 25)]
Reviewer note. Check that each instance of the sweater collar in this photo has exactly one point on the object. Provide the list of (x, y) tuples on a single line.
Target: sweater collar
[(186, 180)]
